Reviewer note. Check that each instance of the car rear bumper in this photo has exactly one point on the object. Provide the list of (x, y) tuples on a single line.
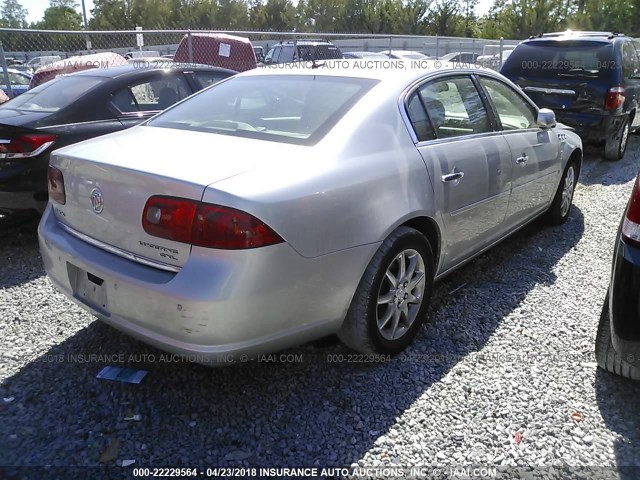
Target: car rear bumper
[(220, 305), (592, 128), (624, 295), (23, 184)]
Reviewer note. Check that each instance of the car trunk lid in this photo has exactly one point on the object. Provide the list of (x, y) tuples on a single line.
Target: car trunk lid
[(108, 181)]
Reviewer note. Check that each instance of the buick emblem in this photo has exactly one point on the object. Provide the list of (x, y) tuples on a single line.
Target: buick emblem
[(97, 200)]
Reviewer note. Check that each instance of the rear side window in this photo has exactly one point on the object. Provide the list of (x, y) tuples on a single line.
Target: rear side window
[(454, 107), (151, 95), (273, 54), (286, 54), (419, 120), (55, 94), (281, 108), (630, 65), (513, 111), (560, 59)]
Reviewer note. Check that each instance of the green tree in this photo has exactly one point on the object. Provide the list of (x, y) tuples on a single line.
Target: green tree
[(231, 15), (446, 18), (274, 15), (13, 14), (522, 18), (61, 15), (109, 15), (612, 15)]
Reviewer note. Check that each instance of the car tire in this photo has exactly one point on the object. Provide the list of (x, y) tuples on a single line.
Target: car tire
[(560, 208), (606, 356), (382, 317), (614, 147)]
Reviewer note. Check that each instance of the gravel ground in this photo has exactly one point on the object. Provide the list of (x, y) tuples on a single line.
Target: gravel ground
[(493, 379)]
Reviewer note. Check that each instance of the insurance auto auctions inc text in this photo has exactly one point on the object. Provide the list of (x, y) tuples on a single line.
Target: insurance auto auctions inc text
[(379, 472)]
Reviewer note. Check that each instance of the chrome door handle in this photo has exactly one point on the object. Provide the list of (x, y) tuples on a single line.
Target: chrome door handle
[(452, 177), (522, 159)]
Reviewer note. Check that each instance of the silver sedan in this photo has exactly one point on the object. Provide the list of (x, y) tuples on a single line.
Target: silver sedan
[(283, 205)]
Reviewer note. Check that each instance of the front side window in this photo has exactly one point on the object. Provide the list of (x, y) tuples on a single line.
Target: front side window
[(513, 111), (209, 78), (151, 95), (17, 79), (454, 107), (292, 109)]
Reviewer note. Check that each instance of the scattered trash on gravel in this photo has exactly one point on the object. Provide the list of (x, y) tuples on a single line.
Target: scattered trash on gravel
[(111, 452), (125, 375)]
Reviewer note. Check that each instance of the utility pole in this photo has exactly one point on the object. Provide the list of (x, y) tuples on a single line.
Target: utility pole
[(84, 15)]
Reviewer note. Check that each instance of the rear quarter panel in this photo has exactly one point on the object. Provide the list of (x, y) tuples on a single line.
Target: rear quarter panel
[(353, 188)]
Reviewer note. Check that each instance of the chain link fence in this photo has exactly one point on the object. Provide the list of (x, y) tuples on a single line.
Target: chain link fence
[(27, 49)]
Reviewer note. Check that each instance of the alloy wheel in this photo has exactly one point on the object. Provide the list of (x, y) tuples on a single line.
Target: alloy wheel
[(567, 191), (401, 294)]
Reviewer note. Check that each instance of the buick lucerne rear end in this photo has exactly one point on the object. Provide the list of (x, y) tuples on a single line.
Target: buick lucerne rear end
[(277, 207)]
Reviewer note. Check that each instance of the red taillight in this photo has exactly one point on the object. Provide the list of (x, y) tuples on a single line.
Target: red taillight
[(631, 222), (614, 99), (205, 224), (56, 185), (25, 146)]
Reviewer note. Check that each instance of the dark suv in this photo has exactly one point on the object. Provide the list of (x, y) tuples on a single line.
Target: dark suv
[(590, 79), (302, 51)]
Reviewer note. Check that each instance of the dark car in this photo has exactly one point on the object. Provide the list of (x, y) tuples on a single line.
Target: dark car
[(302, 51), (618, 338), (590, 79), (460, 57), (19, 81), (76, 107)]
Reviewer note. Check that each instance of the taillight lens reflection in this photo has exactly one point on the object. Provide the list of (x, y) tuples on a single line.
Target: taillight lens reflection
[(56, 185), (25, 146), (205, 225), (614, 99), (169, 217)]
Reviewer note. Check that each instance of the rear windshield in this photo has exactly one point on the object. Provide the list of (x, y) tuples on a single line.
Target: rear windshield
[(318, 52), (53, 95), (562, 58), (282, 108)]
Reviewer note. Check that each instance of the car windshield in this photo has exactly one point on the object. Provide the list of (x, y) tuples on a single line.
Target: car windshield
[(560, 59), (283, 108), (54, 95)]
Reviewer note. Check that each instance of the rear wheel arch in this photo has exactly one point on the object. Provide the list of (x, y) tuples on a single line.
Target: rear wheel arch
[(430, 229)]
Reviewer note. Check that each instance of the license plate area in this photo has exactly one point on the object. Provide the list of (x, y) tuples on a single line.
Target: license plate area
[(89, 288)]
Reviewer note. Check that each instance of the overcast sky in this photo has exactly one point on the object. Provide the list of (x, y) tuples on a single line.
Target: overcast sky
[(36, 8)]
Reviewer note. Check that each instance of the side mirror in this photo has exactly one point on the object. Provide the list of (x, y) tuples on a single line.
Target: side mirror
[(546, 118)]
